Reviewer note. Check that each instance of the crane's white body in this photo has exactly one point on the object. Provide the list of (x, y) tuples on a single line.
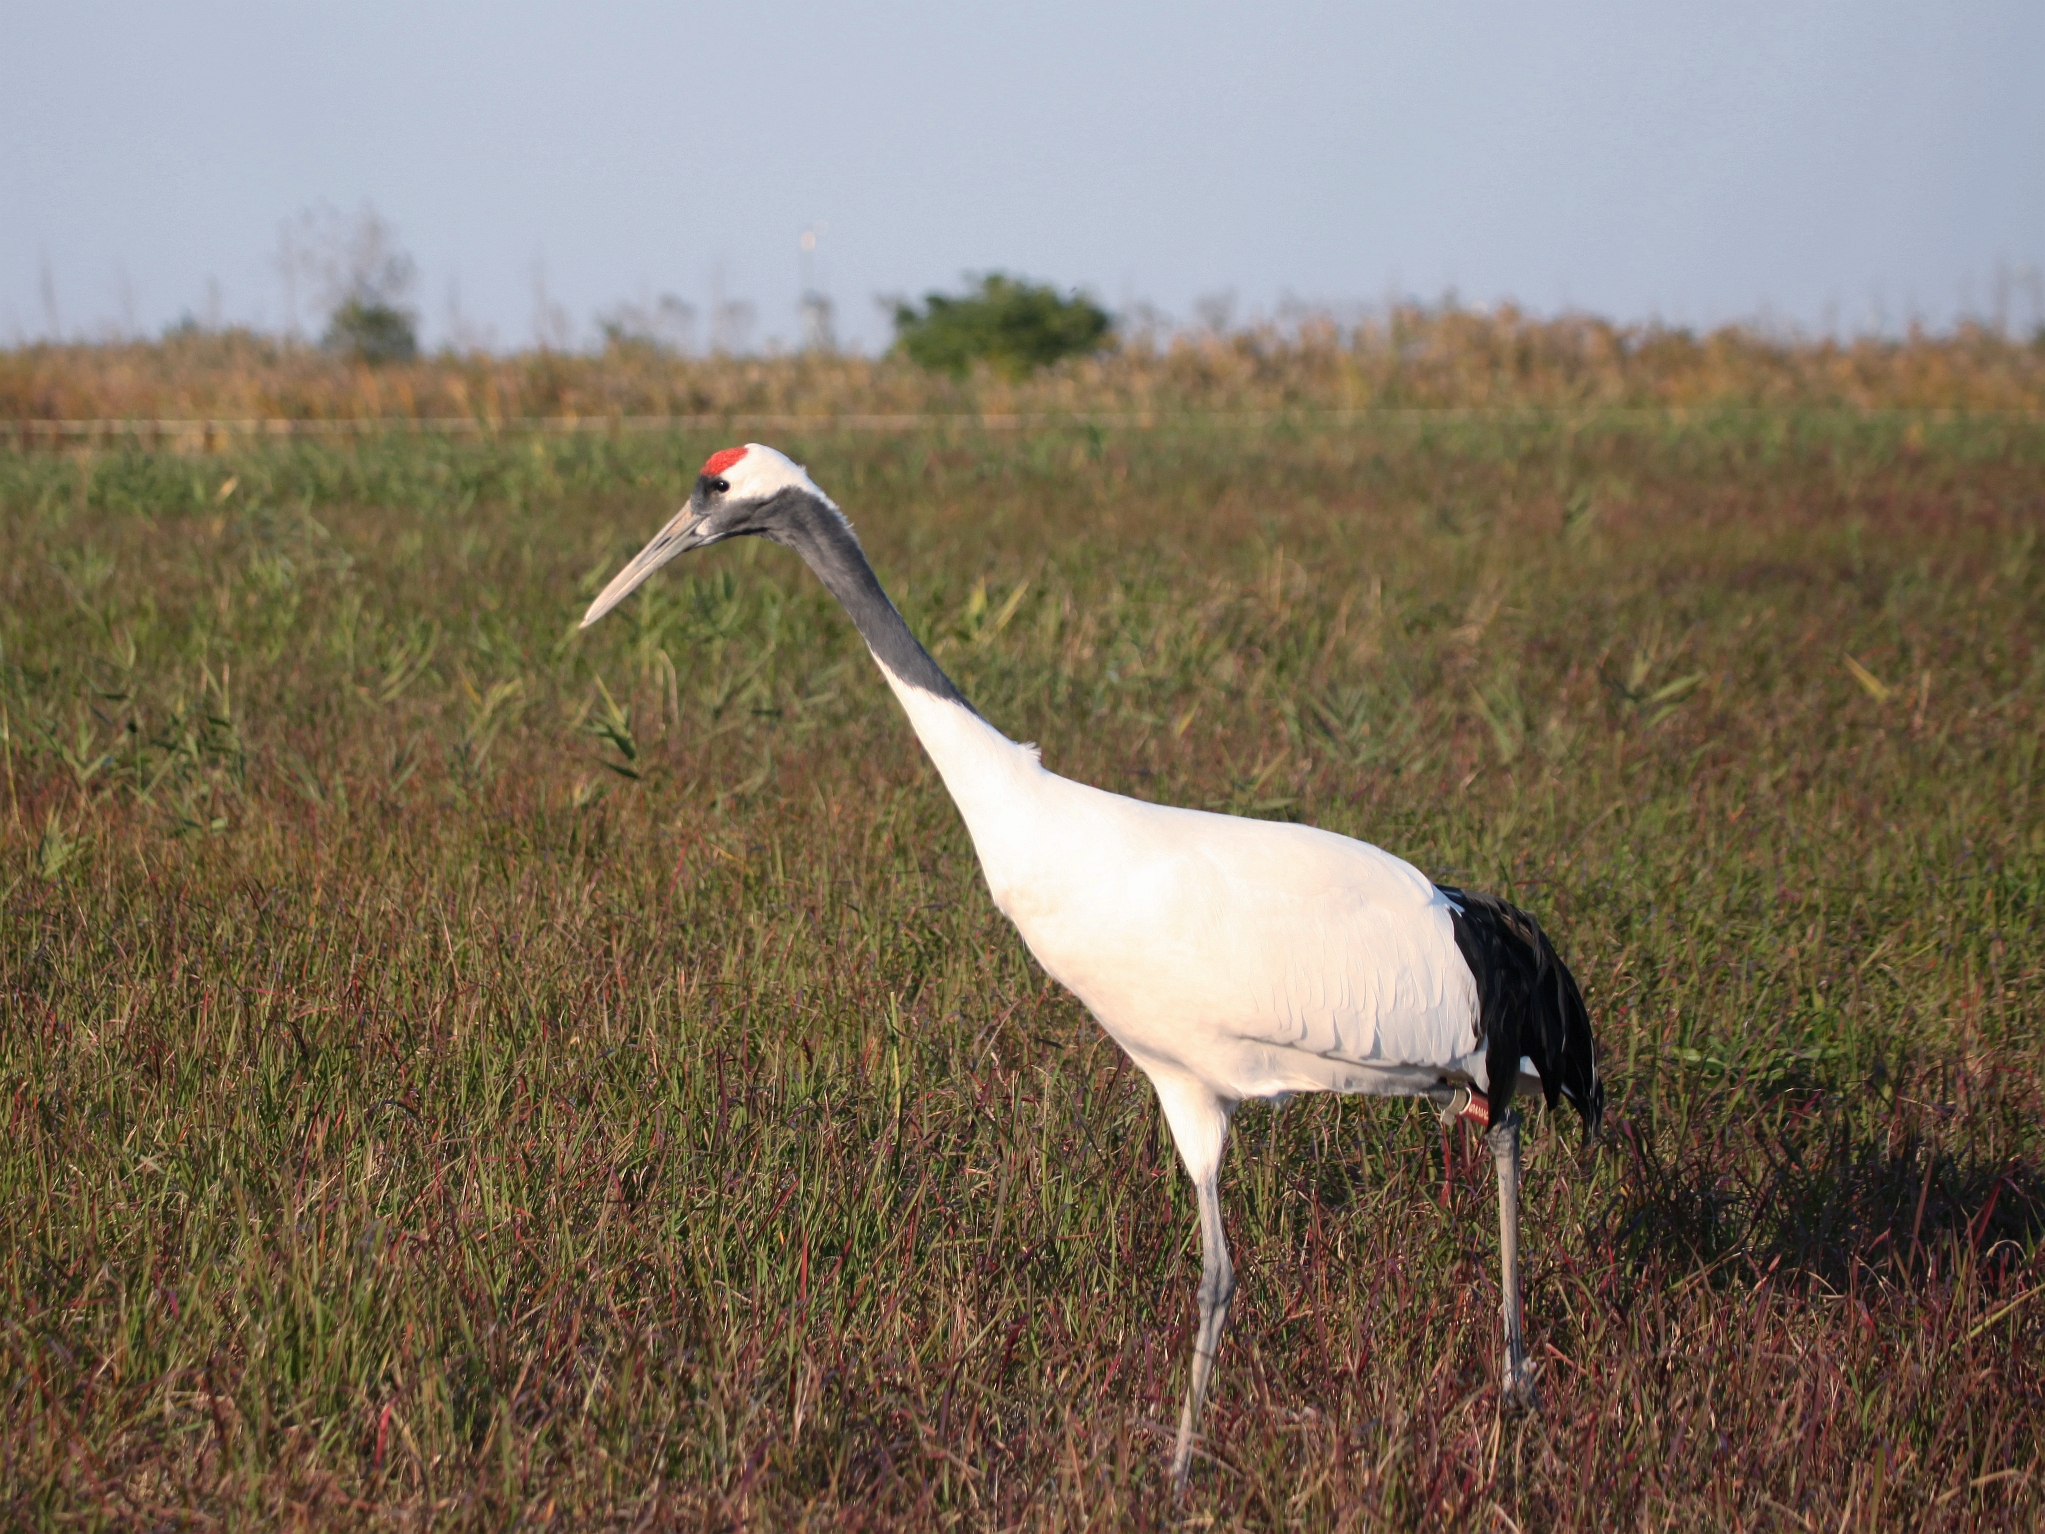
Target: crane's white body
[(1233, 959)]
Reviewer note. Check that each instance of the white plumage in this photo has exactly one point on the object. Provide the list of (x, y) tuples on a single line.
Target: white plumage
[(1248, 958), (1233, 959)]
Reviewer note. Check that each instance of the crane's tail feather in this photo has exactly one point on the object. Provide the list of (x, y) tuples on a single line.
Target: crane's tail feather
[(1528, 1006)]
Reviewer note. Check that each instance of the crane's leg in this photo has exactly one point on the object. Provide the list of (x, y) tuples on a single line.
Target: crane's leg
[(1504, 1139), (1217, 1288), (1199, 1124)]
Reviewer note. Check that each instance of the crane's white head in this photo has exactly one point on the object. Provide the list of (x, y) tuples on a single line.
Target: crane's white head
[(749, 491)]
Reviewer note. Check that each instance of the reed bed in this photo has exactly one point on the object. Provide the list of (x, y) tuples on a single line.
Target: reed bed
[(1409, 358)]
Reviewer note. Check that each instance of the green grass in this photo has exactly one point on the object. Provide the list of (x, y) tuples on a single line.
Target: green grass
[(459, 1071)]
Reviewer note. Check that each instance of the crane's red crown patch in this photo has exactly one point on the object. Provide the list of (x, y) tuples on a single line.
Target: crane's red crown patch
[(719, 462)]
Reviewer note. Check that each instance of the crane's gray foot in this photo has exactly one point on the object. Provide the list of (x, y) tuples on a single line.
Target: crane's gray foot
[(1519, 1393)]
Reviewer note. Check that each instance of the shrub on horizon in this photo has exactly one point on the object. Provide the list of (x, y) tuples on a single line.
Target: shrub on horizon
[(1013, 325), (371, 330)]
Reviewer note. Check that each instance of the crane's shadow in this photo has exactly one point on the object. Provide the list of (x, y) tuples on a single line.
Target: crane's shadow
[(1834, 1193)]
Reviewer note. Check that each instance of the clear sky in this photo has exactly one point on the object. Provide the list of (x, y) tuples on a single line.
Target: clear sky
[(1826, 163)]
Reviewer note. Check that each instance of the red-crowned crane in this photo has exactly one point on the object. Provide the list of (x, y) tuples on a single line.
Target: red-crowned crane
[(1233, 959)]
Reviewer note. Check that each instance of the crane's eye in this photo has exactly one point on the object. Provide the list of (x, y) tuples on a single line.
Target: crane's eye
[(720, 485)]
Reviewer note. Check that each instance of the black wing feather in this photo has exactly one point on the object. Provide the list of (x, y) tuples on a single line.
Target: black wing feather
[(1528, 1006)]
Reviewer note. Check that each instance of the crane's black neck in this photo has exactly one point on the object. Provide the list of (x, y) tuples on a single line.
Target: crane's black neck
[(825, 540)]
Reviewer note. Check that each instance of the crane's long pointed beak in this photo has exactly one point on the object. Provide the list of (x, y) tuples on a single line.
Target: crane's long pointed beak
[(667, 543)]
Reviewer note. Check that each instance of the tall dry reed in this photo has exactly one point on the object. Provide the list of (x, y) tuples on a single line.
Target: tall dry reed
[(1408, 358)]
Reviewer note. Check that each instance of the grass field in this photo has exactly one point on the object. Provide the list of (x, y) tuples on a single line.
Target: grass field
[(462, 1071)]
